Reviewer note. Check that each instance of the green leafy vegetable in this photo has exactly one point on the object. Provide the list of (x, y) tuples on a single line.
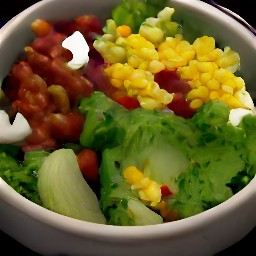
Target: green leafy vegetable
[(203, 160), (134, 12), (22, 176), (141, 138)]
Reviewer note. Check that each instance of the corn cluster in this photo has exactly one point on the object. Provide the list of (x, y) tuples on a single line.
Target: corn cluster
[(112, 46), (208, 70), (175, 52), (140, 83), (210, 75), (148, 190), (142, 54)]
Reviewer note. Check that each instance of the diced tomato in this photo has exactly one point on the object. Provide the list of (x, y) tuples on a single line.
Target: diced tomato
[(165, 191), (88, 163), (128, 102), (89, 23), (170, 81), (65, 127), (67, 27), (40, 137), (32, 95), (50, 44), (180, 106), (55, 71)]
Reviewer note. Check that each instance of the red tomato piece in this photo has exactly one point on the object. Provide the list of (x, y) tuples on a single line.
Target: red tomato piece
[(128, 102), (165, 191), (180, 106), (89, 23), (88, 163), (170, 81), (67, 27), (65, 127)]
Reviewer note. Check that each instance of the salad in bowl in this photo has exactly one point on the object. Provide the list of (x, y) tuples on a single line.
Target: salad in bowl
[(132, 119)]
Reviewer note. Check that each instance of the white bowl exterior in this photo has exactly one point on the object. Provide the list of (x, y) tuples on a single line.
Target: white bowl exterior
[(49, 233)]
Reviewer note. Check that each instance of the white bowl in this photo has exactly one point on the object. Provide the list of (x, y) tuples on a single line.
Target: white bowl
[(207, 233)]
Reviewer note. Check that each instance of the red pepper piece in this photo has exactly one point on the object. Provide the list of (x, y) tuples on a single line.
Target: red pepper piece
[(165, 191)]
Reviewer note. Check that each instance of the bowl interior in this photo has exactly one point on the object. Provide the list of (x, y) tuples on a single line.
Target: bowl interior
[(208, 21)]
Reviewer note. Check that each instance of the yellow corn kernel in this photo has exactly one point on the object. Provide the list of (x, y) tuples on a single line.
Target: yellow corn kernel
[(205, 49), (148, 54), (212, 56), (134, 61), (121, 41), (116, 83), (138, 73), (214, 95), (140, 83), (166, 54), (169, 43), (148, 190), (133, 175), (152, 90), (201, 92), (166, 97), (140, 58), (143, 65), (195, 84), (130, 92), (206, 67), (175, 62), (220, 92), (205, 78), (184, 46), (152, 193), (188, 73), (120, 72), (106, 38), (110, 51), (228, 59), (175, 52), (231, 83), (239, 82), (136, 41), (204, 44), (222, 75), (227, 89), (149, 103), (153, 34), (188, 55), (155, 66), (196, 103), (213, 85), (149, 90), (231, 101)]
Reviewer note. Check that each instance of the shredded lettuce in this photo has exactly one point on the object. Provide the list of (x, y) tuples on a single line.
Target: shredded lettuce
[(204, 160)]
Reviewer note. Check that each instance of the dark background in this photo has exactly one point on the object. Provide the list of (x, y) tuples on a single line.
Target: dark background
[(246, 246)]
